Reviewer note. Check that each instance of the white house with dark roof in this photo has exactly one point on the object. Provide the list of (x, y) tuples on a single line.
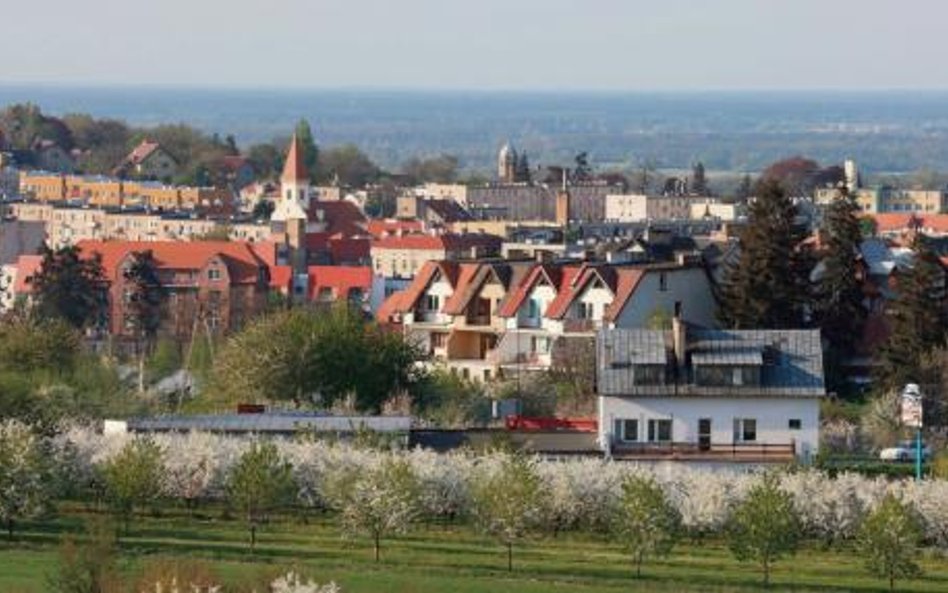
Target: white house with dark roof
[(709, 395)]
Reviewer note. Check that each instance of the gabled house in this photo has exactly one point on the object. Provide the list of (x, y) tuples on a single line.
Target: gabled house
[(559, 303), (709, 395), (148, 160), (487, 317)]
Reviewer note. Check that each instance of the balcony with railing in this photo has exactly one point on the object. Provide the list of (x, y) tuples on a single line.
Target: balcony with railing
[(576, 326), (683, 451)]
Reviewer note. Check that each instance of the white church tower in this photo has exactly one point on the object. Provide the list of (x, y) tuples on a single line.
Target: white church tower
[(295, 190)]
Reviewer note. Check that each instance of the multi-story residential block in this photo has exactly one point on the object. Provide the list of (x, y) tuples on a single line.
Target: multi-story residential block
[(881, 200), (107, 191), (640, 207), (709, 395), (486, 318), (212, 286), (403, 255)]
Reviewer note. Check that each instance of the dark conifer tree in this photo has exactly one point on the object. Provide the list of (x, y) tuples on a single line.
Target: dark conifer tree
[(699, 181), (916, 320), (766, 286), (70, 287), (838, 308), (310, 152), (522, 173)]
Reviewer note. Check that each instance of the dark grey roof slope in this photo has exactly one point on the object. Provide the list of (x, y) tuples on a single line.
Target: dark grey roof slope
[(790, 361)]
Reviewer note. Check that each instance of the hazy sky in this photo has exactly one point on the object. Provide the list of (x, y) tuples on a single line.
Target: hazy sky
[(509, 44)]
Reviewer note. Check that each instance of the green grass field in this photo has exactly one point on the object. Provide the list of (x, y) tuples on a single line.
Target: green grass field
[(444, 558)]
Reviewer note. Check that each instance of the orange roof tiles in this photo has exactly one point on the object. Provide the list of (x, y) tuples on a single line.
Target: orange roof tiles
[(470, 278), (377, 228), (243, 262), (626, 282), (339, 279), (26, 267), (891, 221)]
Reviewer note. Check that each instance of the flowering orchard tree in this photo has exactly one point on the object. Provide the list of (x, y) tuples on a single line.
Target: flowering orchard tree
[(381, 501), (764, 527), (26, 477), (888, 540), (644, 521), (133, 478), (260, 481), (508, 501), (577, 494)]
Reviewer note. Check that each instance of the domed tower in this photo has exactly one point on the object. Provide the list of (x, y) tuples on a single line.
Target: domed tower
[(507, 163)]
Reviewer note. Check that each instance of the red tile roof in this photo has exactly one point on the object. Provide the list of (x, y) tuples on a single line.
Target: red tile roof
[(26, 267), (416, 241), (340, 216), (339, 279), (348, 250), (391, 309), (377, 228), (519, 294), (281, 278), (567, 292), (626, 282), (890, 222), (294, 169), (470, 278), (233, 162), (142, 152), (242, 262), (404, 300), (446, 242)]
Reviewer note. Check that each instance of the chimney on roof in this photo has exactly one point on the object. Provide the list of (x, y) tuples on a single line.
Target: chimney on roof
[(679, 336)]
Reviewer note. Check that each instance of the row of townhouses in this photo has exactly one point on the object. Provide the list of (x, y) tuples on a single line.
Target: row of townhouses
[(485, 318)]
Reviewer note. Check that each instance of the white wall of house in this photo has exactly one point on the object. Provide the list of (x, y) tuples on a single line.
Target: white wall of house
[(772, 415), (626, 208), (7, 282), (598, 298), (689, 286), (543, 295)]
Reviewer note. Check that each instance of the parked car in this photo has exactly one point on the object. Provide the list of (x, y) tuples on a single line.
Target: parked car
[(904, 451)]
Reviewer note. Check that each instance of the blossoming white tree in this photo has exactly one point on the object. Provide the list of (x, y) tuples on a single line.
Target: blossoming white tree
[(26, 480), (382, 501), (507, 501)]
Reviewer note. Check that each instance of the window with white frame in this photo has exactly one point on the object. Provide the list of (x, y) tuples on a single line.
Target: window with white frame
[(745, 430), (626, 430), (659, 430)]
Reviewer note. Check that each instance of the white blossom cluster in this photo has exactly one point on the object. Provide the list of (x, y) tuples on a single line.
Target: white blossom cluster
[(578, 494)]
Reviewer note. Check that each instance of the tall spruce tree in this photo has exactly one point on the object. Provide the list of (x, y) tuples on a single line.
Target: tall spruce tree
[(766, 287), (145, 294), (310, 152), (916, 320), (699, 180), (838, 308), (70, 287)]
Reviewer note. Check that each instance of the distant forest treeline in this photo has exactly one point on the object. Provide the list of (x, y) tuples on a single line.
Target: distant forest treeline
[(883, 131)]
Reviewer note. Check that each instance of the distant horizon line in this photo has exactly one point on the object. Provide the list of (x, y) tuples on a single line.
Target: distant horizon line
[(104, 85)]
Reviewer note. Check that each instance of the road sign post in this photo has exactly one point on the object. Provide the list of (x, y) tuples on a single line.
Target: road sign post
[(912, 417)]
